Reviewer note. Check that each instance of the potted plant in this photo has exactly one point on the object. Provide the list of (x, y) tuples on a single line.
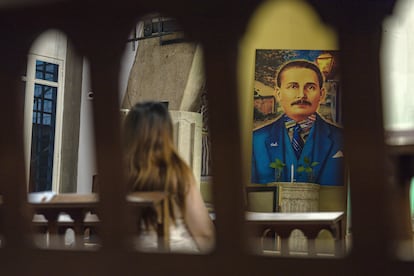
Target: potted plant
[(296, 196), (278, 166), (307, 167)]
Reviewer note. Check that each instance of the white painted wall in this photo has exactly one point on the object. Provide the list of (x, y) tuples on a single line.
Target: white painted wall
[(397, 68), (86, 158), (86, 153), (51, 43)]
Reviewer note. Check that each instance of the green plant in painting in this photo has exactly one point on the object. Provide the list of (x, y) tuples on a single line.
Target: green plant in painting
[(278, 166), (308, 167)]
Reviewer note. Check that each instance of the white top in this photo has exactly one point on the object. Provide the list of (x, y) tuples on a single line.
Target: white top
[(308, 216), (180, 239)]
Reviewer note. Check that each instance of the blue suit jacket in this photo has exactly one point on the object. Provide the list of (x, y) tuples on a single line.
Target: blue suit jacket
[(324, 145)]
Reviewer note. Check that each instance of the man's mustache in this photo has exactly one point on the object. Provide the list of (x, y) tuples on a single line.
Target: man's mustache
[(301, 102)]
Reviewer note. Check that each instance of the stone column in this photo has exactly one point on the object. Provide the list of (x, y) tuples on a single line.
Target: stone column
[(187, 139)]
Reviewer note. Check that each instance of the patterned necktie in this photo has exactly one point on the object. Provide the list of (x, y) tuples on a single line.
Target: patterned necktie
[(297, 141)]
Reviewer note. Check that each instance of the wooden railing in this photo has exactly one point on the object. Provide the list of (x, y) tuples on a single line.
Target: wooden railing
[(79, 212)]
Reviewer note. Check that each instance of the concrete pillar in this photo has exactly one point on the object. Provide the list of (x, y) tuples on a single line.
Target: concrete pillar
[(187, 139)]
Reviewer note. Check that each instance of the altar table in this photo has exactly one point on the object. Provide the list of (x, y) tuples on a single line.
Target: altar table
[(310, 223)]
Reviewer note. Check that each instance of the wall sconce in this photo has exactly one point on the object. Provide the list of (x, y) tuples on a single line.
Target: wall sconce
[(325, 63)]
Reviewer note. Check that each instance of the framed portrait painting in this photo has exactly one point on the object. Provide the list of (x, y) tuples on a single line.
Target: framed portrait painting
[(297, 120)]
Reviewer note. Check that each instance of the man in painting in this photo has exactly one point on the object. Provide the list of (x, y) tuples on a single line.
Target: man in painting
[(300, 137)]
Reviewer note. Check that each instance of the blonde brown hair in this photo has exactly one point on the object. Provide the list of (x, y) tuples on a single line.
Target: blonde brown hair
[(151, 159)]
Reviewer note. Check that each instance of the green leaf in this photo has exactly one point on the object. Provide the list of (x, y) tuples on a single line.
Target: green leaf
[(300, 169), (314, 164), (306, 160), (279, 162), (308, 170)]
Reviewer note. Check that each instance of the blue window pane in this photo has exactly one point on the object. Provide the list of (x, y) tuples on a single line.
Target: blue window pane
[(43, 137), (44, 104), (46, 119), (49, 92), (47, 71), (38, 91), (35, 104), (36, 118), (47, 106)]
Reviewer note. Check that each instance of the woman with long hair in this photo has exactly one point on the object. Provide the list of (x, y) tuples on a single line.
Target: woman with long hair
[(153, 164)]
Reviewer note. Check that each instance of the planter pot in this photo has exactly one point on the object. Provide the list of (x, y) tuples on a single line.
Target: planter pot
[(298, 197)]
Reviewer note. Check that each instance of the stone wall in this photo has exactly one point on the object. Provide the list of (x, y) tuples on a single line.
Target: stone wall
[(172, 73)]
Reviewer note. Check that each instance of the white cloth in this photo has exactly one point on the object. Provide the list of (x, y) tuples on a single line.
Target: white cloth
[(180, 239)]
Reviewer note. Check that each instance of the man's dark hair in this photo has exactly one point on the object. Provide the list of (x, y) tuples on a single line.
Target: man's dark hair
[(299, 63)]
